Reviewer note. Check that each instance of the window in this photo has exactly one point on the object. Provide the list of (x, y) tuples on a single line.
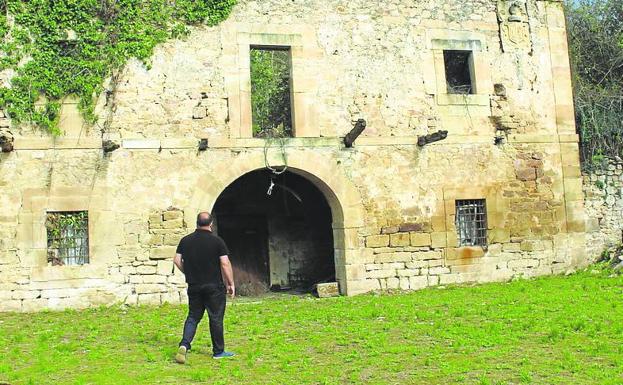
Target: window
[(271, 91), (68, 237), (458, 66), (471, 222)]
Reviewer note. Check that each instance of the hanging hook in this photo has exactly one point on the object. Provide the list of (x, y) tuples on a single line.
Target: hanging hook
[(270, 188)]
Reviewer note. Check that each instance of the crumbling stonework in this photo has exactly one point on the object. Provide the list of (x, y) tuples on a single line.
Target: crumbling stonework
[(603, 188), (511, 142)]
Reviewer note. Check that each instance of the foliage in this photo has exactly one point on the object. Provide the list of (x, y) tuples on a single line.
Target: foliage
[(270, 92), (595, 29), (67, 235), (554, 330), (59, 48)]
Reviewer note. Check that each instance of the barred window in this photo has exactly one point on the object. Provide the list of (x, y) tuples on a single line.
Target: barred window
[(68, 237), (471, 222)]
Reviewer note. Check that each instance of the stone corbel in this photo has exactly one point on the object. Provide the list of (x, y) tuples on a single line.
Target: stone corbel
[(6, 140)]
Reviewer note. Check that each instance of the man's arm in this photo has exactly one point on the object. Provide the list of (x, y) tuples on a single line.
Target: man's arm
[(228, 275), (177, 260)]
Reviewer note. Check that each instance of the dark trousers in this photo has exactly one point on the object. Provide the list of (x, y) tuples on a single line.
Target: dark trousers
[(202, 297)]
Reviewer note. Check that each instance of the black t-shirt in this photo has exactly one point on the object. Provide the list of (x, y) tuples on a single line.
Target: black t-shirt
[(200, 252)]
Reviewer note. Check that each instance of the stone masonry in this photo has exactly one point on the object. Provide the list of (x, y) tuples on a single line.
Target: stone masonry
[(511, 142), (603, 188)]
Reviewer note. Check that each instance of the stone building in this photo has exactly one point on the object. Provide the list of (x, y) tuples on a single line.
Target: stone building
[(492, 191)]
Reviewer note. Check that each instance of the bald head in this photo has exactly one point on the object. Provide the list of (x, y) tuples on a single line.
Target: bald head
[(204, 219)]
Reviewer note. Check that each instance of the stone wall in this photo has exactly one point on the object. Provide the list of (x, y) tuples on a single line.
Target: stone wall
[(512, 142), (603, 188)]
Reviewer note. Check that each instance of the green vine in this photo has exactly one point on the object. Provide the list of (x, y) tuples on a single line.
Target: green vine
[(59, 48)]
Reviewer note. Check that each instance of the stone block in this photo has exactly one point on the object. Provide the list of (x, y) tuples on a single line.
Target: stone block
[(390, 230), (326, 290), (149, 299), (173, 224), (363, 286), (532, 245), (416, 264), (34, 305), (438, 240), (383, 273), (355, 272), (154, 278), (403, 283), (523, 263), (427, 255), (141, 144), (155, 219), (392, 283), (407, 272), (498, 235), (438, 224), (150, 288), (172, 239), (145, 270), (136, 279), (377, 241), (392, 257), (525, 173), (393, 265), (172, 214), (416, 283), (171, 297), (420, 239), (165, 252), (152, 240), (11, 305), (438, 270), (511, 247), (165, 268), (177, 279), (410, 227), (131, 300), (25, 294), (399, 239)]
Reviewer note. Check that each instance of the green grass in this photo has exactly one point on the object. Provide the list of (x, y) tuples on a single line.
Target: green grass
[(554, 330)]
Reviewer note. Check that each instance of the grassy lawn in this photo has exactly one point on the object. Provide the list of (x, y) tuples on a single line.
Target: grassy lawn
[(554, 330)]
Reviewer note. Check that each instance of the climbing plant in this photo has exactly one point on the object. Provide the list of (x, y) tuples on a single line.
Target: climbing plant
[(57, 48)]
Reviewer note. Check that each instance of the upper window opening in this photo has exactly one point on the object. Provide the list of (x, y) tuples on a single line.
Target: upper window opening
[(471, 222), (458, 71), (271, 91), (68, 237)]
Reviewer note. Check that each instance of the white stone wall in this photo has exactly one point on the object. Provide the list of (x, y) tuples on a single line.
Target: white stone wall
[(603, 188)]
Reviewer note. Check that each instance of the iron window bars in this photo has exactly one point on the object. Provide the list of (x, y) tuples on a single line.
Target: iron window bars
[(471, 222), (68, 237)]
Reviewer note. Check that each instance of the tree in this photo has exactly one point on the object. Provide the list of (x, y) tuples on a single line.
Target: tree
[(595, 29)]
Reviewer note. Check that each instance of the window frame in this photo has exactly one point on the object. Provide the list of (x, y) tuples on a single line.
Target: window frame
[(288, 49), (68, 260), (440, 40), (470, 222), (304, 52)]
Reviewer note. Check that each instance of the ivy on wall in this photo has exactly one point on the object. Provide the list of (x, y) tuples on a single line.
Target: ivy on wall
[(57, 48)]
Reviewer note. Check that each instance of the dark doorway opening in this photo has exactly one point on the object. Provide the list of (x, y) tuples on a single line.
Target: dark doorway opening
[(279, 241)]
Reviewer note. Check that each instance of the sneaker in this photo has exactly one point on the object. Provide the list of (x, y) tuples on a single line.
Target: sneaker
[(223, 355), (180, 357)]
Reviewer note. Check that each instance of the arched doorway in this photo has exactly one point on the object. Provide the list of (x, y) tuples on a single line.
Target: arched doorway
[(280, 237)]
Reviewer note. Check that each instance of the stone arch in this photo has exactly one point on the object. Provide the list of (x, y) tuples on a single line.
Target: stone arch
[(343, 198)]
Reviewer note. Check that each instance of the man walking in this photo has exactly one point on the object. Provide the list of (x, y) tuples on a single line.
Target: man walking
[(203, 258)]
